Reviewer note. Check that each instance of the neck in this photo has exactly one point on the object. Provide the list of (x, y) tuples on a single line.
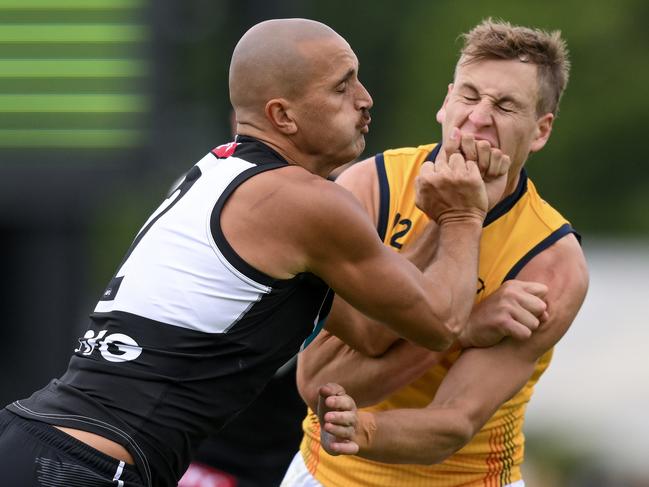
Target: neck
[(513, 177), (287, 150), (512, 184)]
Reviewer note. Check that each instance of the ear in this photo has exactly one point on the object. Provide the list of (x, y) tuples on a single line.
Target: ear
[(543, 131), (441, 113), (277, 112)]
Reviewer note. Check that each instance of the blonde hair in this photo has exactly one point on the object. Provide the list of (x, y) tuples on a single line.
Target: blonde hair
[(497, 39)]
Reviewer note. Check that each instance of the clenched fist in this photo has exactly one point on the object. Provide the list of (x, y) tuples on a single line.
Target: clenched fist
[(338, 416), (451, 189)]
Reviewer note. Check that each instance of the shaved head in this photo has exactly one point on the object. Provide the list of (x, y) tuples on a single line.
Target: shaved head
[(269, 61)]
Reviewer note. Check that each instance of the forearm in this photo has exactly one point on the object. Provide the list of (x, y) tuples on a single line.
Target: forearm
[(367, 379), (371, 379), (415, 436), (479, 382), (363, 334), (453, 273), (372, 337)]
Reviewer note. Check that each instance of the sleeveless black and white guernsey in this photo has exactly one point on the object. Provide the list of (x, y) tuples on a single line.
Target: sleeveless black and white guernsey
[(187, 333)]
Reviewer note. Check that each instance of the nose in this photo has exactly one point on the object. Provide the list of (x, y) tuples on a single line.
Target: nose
[(481, 114), (363, 98)]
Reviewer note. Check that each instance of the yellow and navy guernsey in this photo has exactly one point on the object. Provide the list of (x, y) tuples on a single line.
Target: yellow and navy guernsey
[(518, 228)]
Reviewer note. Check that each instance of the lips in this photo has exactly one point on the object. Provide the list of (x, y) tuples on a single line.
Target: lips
[(364, 125)]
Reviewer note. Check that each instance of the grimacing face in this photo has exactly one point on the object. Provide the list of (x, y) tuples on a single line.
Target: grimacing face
[(495, 100), (333, 114)]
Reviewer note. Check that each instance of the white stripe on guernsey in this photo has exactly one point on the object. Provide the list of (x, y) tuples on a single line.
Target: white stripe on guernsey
[(118, 474), (226, 263), (210, 238), (172, 276)]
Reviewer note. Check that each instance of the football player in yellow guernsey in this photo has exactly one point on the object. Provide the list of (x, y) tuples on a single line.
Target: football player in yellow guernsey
[(454, 418)]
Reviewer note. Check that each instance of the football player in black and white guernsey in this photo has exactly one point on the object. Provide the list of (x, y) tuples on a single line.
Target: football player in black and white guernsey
[(230, 275)]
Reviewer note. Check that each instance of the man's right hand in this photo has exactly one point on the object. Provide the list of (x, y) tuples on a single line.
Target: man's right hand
[(451, 188), (516, 309)]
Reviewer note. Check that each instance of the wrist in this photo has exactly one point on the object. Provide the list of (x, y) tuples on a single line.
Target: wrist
[(466, 216), (365, 430)]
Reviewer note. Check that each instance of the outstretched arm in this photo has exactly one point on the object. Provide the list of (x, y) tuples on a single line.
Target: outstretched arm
[(308, 224), (372, 337), (453, 194)]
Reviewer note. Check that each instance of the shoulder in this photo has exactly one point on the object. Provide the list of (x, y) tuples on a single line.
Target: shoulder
[(398, 168), (564, 258), (361, 180), (420, 151), (360, 174), (283, 220), (312, 204), (308, 196), (543, 210)]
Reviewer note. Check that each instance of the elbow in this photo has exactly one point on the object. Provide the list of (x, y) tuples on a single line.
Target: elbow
[(457, 434), (454, 326), (449, 331), (447, 325), (377, 348), (460, 433), (308, 391)]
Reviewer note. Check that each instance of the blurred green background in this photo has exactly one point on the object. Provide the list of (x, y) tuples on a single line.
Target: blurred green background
[(104, 103)]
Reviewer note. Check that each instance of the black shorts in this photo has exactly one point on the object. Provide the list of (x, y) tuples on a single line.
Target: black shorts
[(35, 454)]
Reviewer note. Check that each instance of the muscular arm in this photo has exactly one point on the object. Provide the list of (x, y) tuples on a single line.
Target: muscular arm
[(384, 273), (364, 351), (372, 337), (515, 310), (367, 379), (482, 379), (382, 284), (308, 224)]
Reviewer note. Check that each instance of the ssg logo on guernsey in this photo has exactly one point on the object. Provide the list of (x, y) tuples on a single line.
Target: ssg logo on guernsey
[(115, 347)]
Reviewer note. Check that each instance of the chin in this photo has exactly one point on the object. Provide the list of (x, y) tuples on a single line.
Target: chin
[(360, 146)]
